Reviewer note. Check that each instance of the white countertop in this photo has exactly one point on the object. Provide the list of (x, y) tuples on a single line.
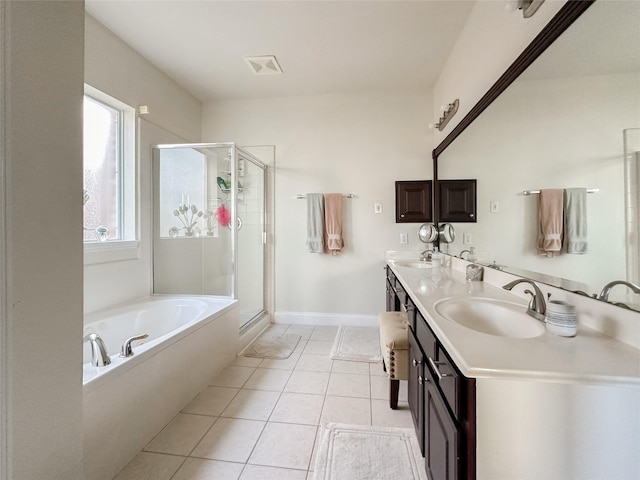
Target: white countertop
[(589, 357)]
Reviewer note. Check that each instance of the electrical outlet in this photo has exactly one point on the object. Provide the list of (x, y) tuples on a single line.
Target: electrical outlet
[(404, 238), (494, 207), (467, 239), (377, 207)]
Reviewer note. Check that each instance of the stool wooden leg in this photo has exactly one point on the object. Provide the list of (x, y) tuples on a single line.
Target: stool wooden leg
[(394, 389)]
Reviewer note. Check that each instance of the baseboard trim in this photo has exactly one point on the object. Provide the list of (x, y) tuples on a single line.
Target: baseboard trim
[(334, 319)]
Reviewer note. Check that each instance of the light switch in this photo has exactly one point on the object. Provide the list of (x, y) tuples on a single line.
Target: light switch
[(467, 239), (494, 207), (404, 238), (377, 207)]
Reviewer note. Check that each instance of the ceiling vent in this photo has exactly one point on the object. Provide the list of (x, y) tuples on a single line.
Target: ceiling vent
[(263, 65)]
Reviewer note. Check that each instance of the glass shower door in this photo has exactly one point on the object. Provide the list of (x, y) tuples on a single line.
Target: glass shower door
[(250, 266)]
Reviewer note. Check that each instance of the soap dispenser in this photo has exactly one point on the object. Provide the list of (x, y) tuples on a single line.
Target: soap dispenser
[(436, 257), (472, 257)]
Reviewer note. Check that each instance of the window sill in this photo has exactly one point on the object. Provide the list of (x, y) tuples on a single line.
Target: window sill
[(95, 253)]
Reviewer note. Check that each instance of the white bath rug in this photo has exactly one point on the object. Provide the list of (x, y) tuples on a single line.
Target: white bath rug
[(363, 452), (358, 344), (273, 347)]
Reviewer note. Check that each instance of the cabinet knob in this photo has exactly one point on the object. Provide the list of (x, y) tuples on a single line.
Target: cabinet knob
[(471, 215), (402, 215), (420, 380), (416, 362)]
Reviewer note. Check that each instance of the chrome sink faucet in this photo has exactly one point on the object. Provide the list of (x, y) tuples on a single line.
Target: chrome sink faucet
[(463, 251), (604, 295), (537, 306), (99, 355), (426, 256)]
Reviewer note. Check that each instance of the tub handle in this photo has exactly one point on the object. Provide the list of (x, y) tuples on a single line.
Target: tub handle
[(127, 350)]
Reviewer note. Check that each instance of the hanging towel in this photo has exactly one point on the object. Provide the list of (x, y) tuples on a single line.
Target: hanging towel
[(550, 222), (333, 222), (575, 220), (315, 222)]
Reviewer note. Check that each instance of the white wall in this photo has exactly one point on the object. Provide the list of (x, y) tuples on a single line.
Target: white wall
[(489, 43), (359, 143), (42, 317), (114, 68), (552, 151)]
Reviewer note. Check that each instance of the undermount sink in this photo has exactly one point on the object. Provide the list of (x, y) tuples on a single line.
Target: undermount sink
[(491, 316), (413, 264)]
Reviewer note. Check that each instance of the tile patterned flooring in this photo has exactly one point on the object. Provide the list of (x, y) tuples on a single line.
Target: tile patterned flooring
[(260, 418)]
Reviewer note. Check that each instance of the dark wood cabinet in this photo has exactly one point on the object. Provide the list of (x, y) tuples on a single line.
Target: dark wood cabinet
[(443, 450), (415, 389), (441, 399), (457, 201), (413, 201)]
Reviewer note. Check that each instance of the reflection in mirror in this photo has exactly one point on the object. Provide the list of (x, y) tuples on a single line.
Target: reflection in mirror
[(560, 125)]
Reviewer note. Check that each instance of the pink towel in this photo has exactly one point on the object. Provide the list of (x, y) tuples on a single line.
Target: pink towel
[(550, 222), (333, 222)]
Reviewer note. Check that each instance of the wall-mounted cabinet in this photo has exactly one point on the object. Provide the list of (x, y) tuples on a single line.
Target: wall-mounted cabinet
[(413, 201), (457, 200)]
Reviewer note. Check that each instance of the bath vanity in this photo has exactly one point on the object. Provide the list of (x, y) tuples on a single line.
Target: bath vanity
[(520, 403), (441, 399)]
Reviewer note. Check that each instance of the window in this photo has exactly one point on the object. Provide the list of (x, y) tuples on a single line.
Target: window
[(109, 171)]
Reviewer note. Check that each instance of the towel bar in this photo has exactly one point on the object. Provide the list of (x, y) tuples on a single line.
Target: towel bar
[(345, 195), (535, 192)]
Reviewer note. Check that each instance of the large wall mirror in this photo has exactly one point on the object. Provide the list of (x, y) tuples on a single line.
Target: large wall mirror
[(571, 119)]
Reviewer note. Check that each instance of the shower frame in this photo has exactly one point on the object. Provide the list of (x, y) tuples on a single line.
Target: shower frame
[(236, 152)]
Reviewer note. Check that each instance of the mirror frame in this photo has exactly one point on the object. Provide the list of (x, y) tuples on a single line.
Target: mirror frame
[(567, 14)]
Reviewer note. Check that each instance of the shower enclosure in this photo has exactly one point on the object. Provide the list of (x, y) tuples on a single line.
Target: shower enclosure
[(209, 224)]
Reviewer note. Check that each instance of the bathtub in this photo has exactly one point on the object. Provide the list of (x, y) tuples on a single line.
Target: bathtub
[(191, 339)]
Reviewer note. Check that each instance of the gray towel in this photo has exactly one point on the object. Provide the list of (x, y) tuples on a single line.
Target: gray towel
[(575, 220), (315, 222)]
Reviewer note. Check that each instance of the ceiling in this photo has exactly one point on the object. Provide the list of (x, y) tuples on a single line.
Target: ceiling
[(604, 40), (322, 46)]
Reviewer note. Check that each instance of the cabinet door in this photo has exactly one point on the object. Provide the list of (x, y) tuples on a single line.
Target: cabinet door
[(415, 388), (413, 201), (442, 438), (457, 200)]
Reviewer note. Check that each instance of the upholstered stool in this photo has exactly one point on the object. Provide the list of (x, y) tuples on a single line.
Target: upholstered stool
[(394, 344)]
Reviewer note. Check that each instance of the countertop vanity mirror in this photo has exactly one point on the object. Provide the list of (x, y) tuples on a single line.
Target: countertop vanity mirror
[(562, 123)]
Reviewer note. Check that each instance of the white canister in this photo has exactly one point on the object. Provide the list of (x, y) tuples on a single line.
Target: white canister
[(561, 318)]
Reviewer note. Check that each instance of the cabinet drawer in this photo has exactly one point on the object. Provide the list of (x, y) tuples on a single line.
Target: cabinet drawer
[(450, 382), (425, 336), (401, 294)]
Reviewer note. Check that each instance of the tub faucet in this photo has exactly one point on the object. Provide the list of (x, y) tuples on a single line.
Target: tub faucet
[(127, 350), (537, 306), (99, 355), (604, 295)]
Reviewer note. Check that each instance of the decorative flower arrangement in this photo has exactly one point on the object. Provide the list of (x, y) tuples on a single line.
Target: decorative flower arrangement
[(189, 215)]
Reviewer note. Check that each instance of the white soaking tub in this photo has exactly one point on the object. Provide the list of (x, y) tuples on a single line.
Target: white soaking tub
[(191, 339)]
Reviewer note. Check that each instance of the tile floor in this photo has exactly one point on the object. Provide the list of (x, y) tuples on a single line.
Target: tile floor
[(260, 418)]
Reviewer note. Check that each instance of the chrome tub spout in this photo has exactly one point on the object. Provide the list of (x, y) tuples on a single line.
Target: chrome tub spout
[(99, 355)]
